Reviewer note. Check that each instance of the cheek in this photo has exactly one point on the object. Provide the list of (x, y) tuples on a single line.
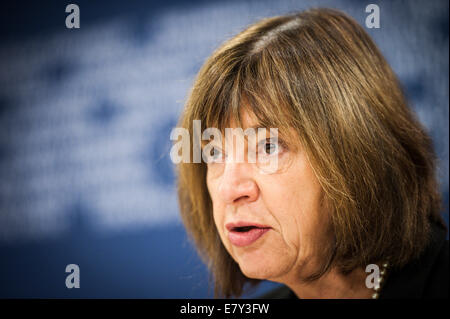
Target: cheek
[(218, 210), (311, 218), (218, 216), (219, 221), (296, 206)]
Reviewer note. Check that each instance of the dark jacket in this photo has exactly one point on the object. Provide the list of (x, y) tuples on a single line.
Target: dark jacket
[(427, 277)]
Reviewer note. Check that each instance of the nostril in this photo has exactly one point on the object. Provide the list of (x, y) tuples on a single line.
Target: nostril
[(242, 199)]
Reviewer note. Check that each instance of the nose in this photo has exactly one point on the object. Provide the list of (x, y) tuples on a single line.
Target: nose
[(237, 184)]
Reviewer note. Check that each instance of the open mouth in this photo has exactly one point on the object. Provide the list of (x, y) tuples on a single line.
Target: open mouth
[(243, 234), (243, 229)]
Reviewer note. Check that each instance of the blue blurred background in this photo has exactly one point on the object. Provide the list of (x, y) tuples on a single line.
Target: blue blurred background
[(85, 117)]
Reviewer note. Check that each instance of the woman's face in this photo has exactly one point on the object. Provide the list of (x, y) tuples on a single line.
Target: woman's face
[(271, 224)]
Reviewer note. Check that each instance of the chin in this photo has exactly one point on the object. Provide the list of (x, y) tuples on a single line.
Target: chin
[(261, 262), (260, 269), (256, 273)]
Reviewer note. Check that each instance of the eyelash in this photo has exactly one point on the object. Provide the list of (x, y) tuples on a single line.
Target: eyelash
[(281, 145)]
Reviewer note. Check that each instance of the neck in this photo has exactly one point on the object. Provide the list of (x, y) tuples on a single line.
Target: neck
[(333, 285)]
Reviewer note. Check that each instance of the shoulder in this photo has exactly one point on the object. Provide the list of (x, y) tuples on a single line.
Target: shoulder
[(427, 277), (437, 285)]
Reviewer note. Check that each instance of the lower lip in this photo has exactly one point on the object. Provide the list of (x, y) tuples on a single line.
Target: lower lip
[(241, 239)]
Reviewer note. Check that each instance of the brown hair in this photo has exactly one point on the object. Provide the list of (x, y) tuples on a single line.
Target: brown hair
[(319, 72)]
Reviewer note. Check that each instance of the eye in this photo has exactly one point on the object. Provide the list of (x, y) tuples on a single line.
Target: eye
[(270, 147), (215, 155)]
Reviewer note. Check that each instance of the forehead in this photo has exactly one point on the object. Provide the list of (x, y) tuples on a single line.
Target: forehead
[(255, 115), (248, 120)]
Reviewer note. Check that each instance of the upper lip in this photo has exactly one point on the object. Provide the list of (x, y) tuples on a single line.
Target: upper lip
[(232, 226)]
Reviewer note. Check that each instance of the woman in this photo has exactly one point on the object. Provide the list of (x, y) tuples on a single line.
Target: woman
[(354, 187)]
